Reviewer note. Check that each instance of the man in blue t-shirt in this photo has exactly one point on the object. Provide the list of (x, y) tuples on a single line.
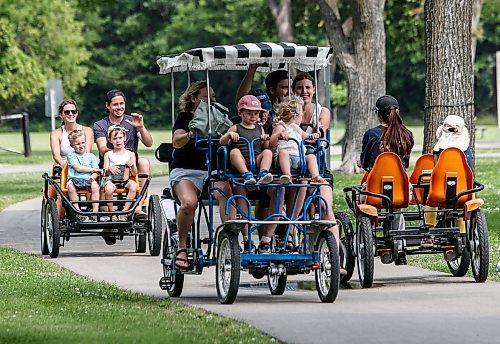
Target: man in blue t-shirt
[(276, 90), (133, 123)]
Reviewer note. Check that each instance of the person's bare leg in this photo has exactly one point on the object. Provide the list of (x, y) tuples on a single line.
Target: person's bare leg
[(94, 196), (312, 165), (187, 194), (284, 162), (238, 161), (268, 230), (109, 189), (265, 159), (143, 168), (226, 189), (327, 193), (72, 195), (132, 191)]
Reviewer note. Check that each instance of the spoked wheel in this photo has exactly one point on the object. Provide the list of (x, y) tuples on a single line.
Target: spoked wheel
[(327, 276), (227, 273), (346, 254), (52, 232), (169, 248), (154, 225), (479, 246), (276, 283), (43, 230), (364, 250)]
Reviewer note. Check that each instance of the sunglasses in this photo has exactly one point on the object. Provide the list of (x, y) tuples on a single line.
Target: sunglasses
[(67, 112)]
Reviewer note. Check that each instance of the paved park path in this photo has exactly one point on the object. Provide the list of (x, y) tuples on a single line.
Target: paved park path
[(406, 304)]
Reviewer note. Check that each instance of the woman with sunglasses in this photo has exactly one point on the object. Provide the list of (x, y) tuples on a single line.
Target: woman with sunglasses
[(59, 141)]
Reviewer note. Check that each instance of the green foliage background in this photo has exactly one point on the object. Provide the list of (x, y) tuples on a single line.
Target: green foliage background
[(95, 46)]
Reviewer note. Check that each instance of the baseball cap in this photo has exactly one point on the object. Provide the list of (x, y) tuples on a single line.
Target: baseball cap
[(384, 104), (114, 93), (116, 127), (249, 102), (262, 96), (276, 76)]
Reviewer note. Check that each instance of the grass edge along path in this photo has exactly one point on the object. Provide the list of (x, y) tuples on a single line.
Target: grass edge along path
[(41, 302)]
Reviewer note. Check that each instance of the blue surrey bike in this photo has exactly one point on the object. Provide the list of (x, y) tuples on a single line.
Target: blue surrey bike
[(211, 244)]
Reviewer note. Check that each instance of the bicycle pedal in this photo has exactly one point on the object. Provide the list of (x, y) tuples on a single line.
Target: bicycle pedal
[(165, 283)]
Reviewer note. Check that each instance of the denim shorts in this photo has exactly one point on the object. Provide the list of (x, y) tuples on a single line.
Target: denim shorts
[(294, 162), (197, 177)]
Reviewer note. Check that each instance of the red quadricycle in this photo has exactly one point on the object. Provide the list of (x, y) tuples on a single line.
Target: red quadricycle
[(434, 211)]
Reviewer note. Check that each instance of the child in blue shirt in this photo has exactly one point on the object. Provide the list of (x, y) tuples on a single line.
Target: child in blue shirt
[(83, 171)]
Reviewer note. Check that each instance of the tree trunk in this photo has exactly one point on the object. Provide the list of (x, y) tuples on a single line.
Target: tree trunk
[(362, 57), (449, 71), (282, 13)]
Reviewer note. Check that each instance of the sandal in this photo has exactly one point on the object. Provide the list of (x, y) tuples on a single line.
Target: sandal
[(318, 180), (181, 268), (264, 247), (427, 243), (290, 246)]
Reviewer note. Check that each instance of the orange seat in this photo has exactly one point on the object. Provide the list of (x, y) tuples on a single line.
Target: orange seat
[(388, 177), (450, 176), (363, 179), (424, 164), (64, 181)]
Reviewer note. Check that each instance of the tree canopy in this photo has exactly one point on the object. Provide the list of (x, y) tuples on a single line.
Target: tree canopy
[(39, 40), (98, 45)]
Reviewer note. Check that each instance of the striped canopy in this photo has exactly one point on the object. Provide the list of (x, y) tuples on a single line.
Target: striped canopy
[(272, 56)]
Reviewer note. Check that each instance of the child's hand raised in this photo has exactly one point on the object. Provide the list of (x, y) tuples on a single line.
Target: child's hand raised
[(233, 136)]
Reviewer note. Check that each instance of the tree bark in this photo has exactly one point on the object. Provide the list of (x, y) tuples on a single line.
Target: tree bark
[(282, 13), (449, 71), (362, 58)]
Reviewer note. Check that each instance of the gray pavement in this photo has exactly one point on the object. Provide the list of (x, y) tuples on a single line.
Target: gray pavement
[(406, 304)]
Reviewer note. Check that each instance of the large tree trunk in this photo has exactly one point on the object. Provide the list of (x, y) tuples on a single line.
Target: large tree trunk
[(449, 74), (362, 57), (282, 13)]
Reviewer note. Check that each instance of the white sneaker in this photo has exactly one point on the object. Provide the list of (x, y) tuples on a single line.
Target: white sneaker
[(82, 218), (285, 179), (266, 179)]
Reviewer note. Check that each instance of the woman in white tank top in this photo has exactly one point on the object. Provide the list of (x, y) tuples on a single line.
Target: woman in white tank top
[(314, 113), (59, 142)]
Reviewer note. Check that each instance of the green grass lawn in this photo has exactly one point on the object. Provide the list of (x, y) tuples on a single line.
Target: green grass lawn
[(41, 302)]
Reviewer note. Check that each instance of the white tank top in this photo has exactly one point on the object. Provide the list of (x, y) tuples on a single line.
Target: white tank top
[(65, 146), (314, 118), (294, 132), (118, 159)]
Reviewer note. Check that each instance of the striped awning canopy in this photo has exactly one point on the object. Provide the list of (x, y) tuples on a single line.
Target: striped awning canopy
[(271, 56)]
